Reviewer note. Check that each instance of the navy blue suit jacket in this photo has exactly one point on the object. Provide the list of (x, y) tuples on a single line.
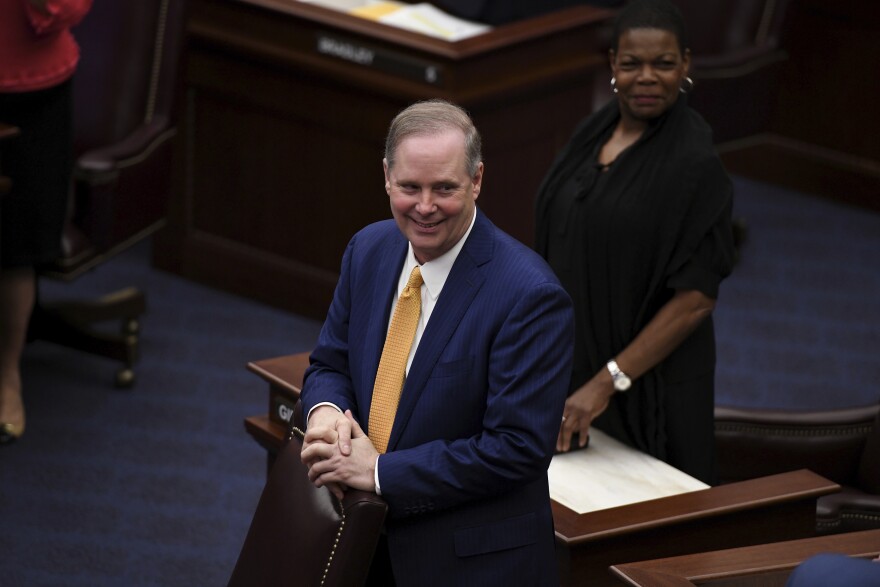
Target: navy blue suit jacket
[(465, 475)]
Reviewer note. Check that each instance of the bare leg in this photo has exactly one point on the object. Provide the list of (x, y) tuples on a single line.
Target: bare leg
[(17, 292)]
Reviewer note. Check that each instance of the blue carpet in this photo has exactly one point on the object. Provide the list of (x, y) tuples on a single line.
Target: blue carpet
[(156, 486), (798, 322)]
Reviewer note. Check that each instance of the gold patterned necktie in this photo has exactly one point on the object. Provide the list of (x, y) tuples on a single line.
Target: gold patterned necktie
[(392, 366)]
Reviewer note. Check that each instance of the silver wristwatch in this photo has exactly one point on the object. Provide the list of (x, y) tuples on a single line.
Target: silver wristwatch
[(621, 379)]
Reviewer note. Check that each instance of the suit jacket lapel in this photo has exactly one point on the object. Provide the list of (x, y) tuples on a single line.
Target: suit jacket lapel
[(458, 293)]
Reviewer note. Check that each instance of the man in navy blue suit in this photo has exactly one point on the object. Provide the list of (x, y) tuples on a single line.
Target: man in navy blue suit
[(465, 470)]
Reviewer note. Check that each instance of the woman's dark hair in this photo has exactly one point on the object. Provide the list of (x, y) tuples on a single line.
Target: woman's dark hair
[(650, 14)]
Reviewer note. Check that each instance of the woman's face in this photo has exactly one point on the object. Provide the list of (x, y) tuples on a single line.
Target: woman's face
[(649, 69)]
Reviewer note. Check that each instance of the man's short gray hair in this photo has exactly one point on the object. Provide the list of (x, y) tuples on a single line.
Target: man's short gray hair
[(431, 117)]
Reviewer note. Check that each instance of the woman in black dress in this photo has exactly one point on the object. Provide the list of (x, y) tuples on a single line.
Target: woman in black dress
[(635, 218)]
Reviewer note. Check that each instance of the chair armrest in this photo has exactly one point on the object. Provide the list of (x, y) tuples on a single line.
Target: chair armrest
[(849, 510), (97, 164), (853, 500)]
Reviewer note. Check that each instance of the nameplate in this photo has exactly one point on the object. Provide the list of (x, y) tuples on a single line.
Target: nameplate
[(282, 409), (380, 59)]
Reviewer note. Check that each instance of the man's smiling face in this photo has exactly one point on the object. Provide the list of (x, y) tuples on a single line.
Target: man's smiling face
[(433, 198)]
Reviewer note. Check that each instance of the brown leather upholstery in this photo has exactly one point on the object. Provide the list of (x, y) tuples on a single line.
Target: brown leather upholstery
[(841, 445), (731, 33), (124, 93), (301, 535)]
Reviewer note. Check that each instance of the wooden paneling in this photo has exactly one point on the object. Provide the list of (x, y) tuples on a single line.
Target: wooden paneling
[(284, 125)]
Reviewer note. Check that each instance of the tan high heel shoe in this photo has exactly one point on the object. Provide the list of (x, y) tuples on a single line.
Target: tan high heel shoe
[(9, 433)]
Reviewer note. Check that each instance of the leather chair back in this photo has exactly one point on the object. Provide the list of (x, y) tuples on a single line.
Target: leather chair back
[(129, 57), (124, 93), (737, 54), (303, 536), (718, 28), (752, 443)]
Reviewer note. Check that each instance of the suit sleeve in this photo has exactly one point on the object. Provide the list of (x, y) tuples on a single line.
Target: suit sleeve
[(328, 378)]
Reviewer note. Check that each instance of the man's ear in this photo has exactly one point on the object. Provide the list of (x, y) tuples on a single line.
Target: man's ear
[(478, 179)]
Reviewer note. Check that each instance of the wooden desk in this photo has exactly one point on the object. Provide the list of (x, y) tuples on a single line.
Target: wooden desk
[(284, 376), (285, 109), (766, 565), (778, 507), (774, 508)]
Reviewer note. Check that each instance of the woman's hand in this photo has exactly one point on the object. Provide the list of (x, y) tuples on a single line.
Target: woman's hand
[(581, 408), (675, 321)]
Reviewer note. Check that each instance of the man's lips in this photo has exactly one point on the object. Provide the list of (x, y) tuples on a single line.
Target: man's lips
[(425, 225)]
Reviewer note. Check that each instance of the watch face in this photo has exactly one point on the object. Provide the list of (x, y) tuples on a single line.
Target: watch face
[(622, 382)]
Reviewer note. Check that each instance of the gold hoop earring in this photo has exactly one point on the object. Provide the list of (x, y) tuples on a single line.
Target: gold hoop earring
[(686, 85)]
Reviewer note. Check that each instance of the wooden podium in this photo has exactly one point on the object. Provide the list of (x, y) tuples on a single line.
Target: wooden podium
[(769, 509), (285, 109)]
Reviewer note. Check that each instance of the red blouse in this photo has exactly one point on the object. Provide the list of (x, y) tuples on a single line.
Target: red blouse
[(37, 50)]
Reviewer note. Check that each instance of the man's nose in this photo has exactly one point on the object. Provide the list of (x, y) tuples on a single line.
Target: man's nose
[(425, 205)]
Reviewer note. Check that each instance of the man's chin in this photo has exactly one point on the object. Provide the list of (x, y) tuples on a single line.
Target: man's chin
[(425, 249)]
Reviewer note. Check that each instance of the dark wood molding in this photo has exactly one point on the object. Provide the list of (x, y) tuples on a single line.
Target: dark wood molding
[(806, 168), (765, 565)]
